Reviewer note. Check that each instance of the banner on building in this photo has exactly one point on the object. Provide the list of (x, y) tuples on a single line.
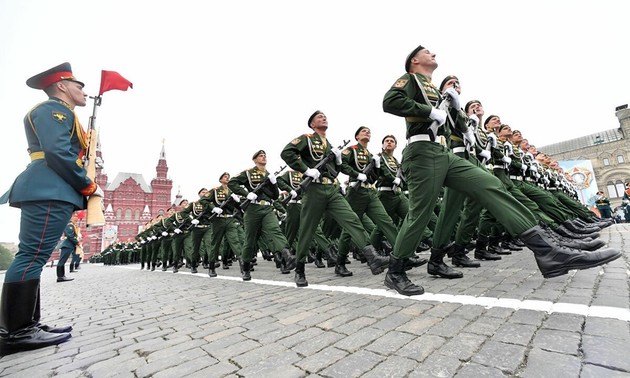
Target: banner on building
[(583, 176)]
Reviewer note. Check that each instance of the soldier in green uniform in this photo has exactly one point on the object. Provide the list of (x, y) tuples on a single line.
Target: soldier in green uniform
[(322, 195), (224, 227), (259, 217), (427, 166)]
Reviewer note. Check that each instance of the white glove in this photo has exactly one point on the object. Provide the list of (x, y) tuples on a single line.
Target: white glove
[(506, 160), (485, 154), (312, 172), (252, 196), (337, 153), (362, 177), (272, 178), (178, 231), (492, 139), (454, 97), (438, 115), (397, 181), (524, 168), (537, 175), (98, 192), (195, 221), (164, 233), (293, 194), (474, 119), (469, 136), (235, 197), (545, 180), (377, 161), (217, 210)]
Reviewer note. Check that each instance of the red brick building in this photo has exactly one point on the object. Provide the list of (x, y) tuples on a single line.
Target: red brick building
[(129, 203)]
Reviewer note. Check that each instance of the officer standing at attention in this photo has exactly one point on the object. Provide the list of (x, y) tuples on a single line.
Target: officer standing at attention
[(322, 195), (68, 245), (53, 186), (427, 166), (603, 205)]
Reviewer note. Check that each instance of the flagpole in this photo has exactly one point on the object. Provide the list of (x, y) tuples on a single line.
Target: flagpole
[(95, 215)]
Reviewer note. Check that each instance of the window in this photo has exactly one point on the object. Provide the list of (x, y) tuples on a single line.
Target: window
[(118, 214), (612, 190), (128, 214), (620, 159), (606, 162), (137, 214), (620, 188)]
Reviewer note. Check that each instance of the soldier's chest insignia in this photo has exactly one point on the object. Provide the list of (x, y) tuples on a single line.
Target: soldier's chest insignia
[(59, 117), (362, 157), (197, 208), (256, 177), (220, 195), (400, 83), (318, 147), (296, 178), (391, 162)]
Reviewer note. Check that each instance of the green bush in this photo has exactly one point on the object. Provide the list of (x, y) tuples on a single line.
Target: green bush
[(6, 258)]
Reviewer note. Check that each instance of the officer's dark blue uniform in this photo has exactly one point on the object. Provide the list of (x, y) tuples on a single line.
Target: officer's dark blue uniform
[(51, 187), (68, 246)]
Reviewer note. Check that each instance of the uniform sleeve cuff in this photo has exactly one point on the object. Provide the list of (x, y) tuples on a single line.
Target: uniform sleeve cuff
[(88, 190)]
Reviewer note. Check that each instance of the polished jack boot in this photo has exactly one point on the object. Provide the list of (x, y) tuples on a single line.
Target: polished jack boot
[(397, 279), (19, 331), (61, 274), (300, 275), (458, 256), (437, 267), (340, 267), (245, 270), (555, 260), (481, 253), (376, 262)]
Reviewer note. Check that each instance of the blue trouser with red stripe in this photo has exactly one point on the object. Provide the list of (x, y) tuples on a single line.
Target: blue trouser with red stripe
[(41, 226)]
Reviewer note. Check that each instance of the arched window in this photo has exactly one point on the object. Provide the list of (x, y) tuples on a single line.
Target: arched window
[(118, 214), (128, 214), (620, 159), (137, 214), (620, 186), (606, 162)]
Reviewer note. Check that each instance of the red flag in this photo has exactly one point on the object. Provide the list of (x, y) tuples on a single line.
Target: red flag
[(112, 80)]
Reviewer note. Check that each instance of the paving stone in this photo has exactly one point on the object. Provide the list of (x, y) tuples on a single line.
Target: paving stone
[(420, 348), (594, 371), (606, 352), (473, 370), (436, 365), (390, 342), (463, 346), (391, 367), (449, 327), (505, 357), (617, 329), (222, 369), (313, 345), (280, 365), (485, 325), (558, 341), (544, 364), (511, 333), (353, 365), (564, 322), (360, 339), (158, 365), (420, 325), (321, 359)]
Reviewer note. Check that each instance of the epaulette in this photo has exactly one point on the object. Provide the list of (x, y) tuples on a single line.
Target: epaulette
[(355, 146), (216, 187), (308, 135)]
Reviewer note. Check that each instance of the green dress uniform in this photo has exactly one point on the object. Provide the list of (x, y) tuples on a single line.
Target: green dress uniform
[(194, 246), (259, 218), (224, 227), (323, 196), (427, 166), (362, 196)]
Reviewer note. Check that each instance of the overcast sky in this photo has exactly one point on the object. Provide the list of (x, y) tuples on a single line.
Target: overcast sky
[(219, 80)]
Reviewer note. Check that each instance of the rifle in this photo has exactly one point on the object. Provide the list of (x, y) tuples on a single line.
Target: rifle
[(366, 171), (260, 186), (319, 166), (398, 175), (229, 200)]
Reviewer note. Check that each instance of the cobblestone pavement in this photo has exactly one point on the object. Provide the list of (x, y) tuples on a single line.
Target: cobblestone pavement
[(502, 319)]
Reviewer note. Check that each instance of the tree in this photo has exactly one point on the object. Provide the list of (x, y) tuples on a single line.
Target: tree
[(6, 258)]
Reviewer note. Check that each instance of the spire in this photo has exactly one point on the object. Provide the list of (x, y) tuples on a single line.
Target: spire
[(163, 152)]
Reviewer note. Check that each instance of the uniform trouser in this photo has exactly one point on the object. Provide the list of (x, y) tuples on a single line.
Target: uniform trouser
[(155, 251), (188, 246), (178, 247), (319, 199), (605, 212), (198, 245), (144, 253), (545, 200), (396, 205), (292, 223), (223, 229), (63, 256), (523, 199), (573, 205), (427, 167), (260, 220), (364, 202), (41, 225), (329, 226), (225, 247), (167, 252), (470, 215)]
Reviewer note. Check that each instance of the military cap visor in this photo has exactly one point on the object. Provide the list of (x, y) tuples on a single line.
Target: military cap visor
[(356, 134), (469, 103), (312, 117), (44, 79), (258, 153), (489, 118)]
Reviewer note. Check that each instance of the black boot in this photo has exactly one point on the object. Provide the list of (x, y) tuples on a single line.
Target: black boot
[(175, 268), (508, 243), (245, 270), (289, 259), (494, 246), (277, 258), (19, 330), (331, 258), (141, 265), (397, 279), (591, 233), (481, 253), (561, 230), (459, 257), (212, 269), (376, 262), (193, 268), (340, 267), (387, 247), (580, 228), (437, 267), (586, 245), (414, 262), (61, 274), (37, 315), (318, 259), (310, 257), (555, 260), (300, 276), (152, 267)]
